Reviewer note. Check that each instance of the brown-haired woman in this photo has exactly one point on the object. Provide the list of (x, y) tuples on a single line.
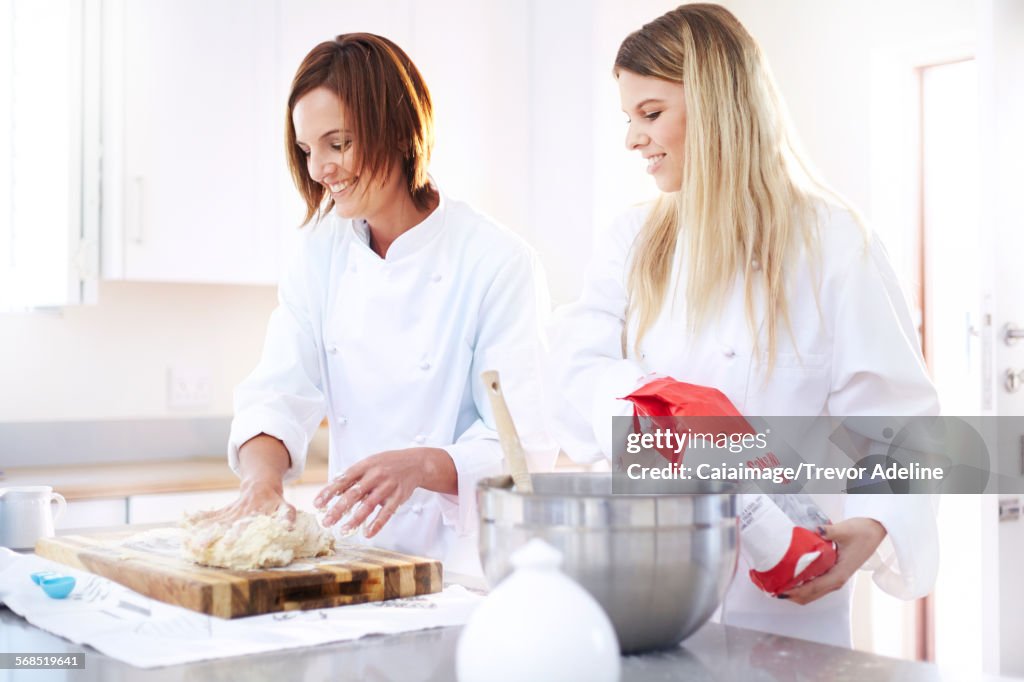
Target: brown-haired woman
[(749, 276), (398, 299)]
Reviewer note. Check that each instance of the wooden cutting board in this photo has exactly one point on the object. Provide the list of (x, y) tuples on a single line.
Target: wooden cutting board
[(354, 575)]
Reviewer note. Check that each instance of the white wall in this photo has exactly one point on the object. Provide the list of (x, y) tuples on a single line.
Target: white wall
[(110, 360)]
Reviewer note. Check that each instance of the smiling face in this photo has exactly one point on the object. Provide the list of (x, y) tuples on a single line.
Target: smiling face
[(656, 111), (332, 157)]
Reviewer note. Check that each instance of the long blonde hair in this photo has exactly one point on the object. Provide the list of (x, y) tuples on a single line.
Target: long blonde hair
[(747, 199)]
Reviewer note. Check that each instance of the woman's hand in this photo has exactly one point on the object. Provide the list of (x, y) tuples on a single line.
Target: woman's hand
[(263, 461), (385, 480), (254, 497), (856, 540)]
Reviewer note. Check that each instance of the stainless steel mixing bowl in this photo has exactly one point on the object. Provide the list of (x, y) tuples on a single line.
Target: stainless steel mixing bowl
[(658, 564)]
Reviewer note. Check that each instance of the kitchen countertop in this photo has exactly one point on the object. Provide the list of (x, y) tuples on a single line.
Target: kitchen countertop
[(120, 479), (715, 652)]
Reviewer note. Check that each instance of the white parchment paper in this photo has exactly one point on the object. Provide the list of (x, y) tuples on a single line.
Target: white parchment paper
[(147, 633)]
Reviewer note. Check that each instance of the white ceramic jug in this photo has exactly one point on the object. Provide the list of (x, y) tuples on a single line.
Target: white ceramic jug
[(538, 624), (26, 514)]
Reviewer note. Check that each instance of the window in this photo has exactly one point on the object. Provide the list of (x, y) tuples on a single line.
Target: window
[(49, 152)]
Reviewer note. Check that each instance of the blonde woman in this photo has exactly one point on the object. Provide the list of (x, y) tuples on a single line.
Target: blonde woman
[(748, 276)]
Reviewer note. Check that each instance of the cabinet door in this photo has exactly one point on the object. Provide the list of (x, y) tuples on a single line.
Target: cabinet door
[(192, 142), (101, 513), (169, 507)]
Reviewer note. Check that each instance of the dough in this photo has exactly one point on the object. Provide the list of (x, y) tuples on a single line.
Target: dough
[(260, 541)]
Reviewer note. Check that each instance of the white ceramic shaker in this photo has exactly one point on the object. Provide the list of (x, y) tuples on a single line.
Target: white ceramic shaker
[(538, 624)]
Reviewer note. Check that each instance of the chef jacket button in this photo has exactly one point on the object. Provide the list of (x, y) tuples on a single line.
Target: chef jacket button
[(417, 508), (352, 268), (420, 439), (342, 420), (425, 365), (436, 277), (333, 350), (728, 352)]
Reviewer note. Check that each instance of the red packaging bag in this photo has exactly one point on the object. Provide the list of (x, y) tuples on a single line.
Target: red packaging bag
[(665, 403), (776, 531)]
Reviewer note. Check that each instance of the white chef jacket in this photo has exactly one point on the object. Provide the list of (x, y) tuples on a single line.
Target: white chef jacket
[(391, 350), (859, 357)]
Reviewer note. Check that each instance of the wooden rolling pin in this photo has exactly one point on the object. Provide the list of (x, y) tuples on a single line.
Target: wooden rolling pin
[(514, 455)]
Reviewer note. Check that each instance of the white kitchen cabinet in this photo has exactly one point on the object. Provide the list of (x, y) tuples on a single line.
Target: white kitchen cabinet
[(99, 513), (192, 141), (195, 181), (169, 507)]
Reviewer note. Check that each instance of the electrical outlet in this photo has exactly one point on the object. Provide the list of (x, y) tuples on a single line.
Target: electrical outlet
[(188, 387)]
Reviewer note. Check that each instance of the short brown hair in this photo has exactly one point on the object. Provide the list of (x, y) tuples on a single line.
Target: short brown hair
[(392, 117)]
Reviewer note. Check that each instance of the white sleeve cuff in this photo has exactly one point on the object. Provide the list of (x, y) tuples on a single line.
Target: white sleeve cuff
[(474, 459), (907, 562), (254, 422)]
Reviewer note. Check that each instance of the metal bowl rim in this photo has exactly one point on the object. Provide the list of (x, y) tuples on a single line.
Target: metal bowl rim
[(489, 486)]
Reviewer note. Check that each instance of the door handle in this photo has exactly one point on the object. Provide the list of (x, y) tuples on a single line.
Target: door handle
[(1013, 380), (1012, 334)]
